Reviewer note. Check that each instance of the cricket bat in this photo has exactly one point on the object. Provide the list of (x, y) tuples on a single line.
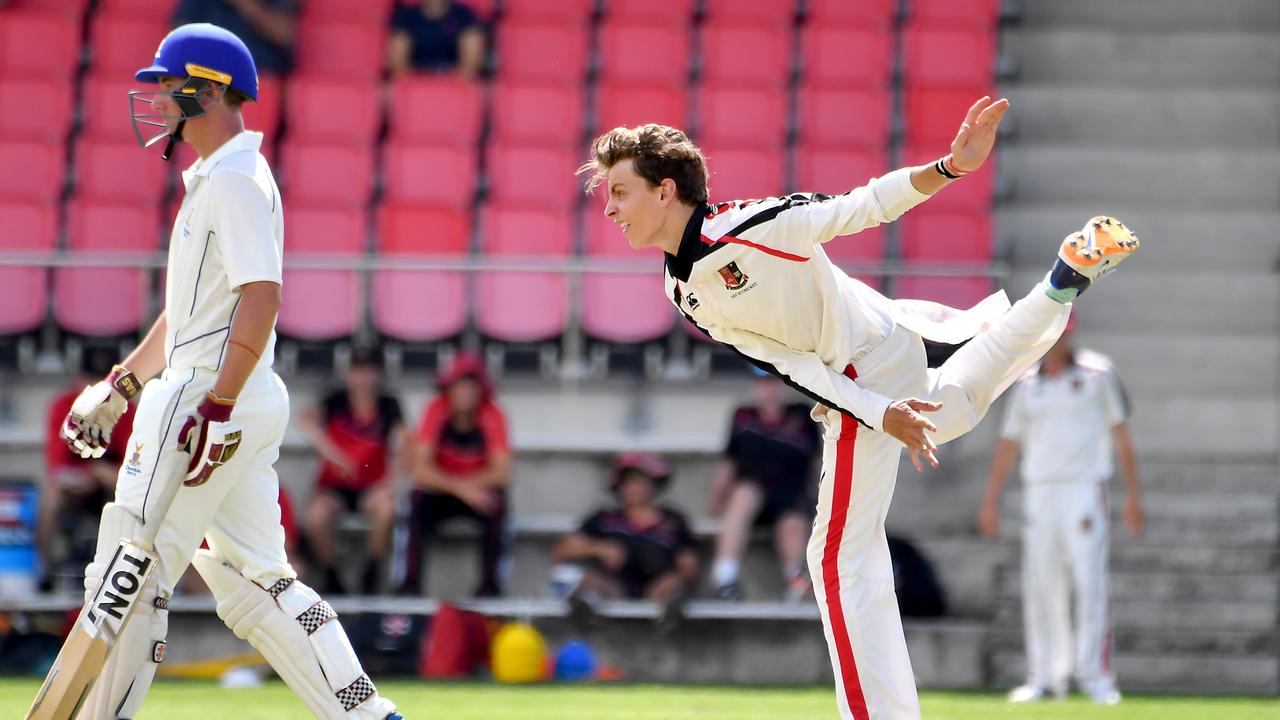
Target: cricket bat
[(100, 623)]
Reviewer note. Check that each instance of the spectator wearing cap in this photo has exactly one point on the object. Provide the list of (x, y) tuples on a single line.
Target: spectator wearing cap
[(356, 431), (764, 479), (75, 489), (637, 549), (268, 27), (461, 467), (438, 36)]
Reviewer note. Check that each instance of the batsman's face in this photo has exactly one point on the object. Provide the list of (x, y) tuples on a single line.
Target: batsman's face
[(635, 205), (164, 104)]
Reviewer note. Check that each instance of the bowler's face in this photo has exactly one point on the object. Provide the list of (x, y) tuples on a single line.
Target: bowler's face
[(634, 204)]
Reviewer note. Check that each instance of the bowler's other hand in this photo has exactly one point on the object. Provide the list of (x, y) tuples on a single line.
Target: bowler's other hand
[(903, 421), (977, 134)]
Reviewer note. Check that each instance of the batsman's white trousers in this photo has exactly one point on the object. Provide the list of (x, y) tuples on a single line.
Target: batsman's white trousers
[(848, 553), (238, 509), (1065, 542)]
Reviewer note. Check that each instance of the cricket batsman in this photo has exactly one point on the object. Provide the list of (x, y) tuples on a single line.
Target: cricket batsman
[(212, 412), (753, 275)]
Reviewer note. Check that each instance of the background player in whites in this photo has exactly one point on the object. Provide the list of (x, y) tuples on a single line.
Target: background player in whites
[(1067, 415), (753, 275), (213, 412)]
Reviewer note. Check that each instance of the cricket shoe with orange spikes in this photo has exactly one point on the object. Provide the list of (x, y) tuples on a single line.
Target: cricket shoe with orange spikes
[(1089, 254)]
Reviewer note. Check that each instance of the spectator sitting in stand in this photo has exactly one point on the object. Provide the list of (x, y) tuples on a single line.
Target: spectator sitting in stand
[(75, 490), (357, 431), (268, 27), (436, 36), (636, 550), (764, 479), (461, 466)]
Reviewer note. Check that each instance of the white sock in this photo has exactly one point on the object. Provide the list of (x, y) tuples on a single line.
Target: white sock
[(724, 571)]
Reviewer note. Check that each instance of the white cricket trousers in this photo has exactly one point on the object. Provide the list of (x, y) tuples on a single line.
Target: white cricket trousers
[(848, 553), (1065, 543), (238, 509)]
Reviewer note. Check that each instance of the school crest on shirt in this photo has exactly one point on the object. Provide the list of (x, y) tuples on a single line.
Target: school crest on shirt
[(134, 466), (733, 277)]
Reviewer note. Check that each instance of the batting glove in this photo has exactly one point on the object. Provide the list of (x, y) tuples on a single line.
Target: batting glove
[(96, 410), (210, 438)]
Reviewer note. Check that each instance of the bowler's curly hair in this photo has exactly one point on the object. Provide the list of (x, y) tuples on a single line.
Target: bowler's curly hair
[(659, 151)]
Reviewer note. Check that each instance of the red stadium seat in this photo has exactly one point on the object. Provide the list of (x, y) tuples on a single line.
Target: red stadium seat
[(537, 114), (973, 193), (28, 227), (846, 56), (72, 9), (746, 55), (939, 236), (627, 50), (845, 117), (533, 175), (146, 8), (862, 12), (836, 170), (263, 115), (36, 43), (110, 170), (523, 306), (120, 44), (35, 109), (948, 56), (753, 117), (983, 14), (744, 173), (341, 50), (542, 52), (371, 12), (436, 109), (321, 304), (623, 104), (43, 170), (429, 174), (104, 114), (561, 11), (418, 305), (105, 228), (332, 111), (672, 12), (933, 115), (622, 307), (328, 175), (772, 12), (956, 292)]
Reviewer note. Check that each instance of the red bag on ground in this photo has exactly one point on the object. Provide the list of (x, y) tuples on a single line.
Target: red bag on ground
[(459, 644)]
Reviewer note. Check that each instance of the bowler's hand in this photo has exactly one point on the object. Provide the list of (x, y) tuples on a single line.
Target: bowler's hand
[(977, 134), (903, 421)]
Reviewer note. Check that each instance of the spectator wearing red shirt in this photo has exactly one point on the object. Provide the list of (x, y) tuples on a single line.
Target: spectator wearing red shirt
[(461, 468), (355, 430), (75, 490)]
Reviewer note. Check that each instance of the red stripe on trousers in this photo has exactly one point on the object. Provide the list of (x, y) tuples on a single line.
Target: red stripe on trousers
[(840, 493)]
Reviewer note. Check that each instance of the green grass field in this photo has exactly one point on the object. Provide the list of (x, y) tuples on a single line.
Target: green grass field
[(191, 700)]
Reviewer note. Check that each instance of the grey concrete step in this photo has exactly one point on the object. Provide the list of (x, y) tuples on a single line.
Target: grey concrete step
[(1117, 179), (1173, 586), (1152, 15), (1194, 558), (1145, 58), (1184, 673), (1131, 117), (1175, 615), (1198, 641), (1175, 241), (1133, 300)]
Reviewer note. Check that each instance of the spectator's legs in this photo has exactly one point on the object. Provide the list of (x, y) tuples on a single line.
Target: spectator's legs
[(47, 516), (745, 501), (790, 538), (494, 541), (322, 514), (379, 505), (423, 517), (602, 586)]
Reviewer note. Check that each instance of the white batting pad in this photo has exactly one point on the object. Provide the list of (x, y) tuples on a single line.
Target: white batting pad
[(283, 622)]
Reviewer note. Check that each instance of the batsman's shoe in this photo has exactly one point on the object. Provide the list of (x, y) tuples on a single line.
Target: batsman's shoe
[(1089, 254)]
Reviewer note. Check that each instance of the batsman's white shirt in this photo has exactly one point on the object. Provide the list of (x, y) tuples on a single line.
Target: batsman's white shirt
[(229, 232), (1063, 423)]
